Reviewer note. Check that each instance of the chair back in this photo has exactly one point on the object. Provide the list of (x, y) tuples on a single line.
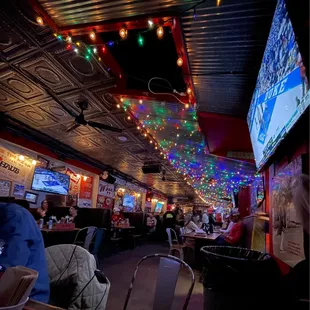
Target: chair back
[(168, 272), (89, 233), (182, 231), (172, 236), (98, 240)]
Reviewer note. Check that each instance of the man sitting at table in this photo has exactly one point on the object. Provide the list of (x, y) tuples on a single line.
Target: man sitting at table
[(117, 217), (21, 244), (75, 217), (234, 236), (230, 225), (189, 223)]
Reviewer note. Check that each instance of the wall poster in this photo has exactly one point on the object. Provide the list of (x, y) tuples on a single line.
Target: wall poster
[(287, 230), (75, 181), (106, 189), (5, 188), (18, 191), (14, 169)]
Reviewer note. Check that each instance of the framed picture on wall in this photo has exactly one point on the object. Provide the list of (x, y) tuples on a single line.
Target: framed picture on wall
[(42, 162), (18, 191), (31, 197), (5, 188)]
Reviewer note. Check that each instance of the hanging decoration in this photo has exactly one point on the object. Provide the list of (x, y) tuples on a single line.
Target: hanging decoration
[(174, 133)]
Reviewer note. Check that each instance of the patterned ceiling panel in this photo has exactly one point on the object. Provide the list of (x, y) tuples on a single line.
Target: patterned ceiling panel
[(20, 86), (40, 85), (48, 73)]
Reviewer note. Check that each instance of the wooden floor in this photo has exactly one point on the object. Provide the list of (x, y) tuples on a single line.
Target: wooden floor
[(120, 267)]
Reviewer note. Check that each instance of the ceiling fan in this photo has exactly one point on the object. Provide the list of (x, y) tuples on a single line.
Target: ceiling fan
[(81, 121)]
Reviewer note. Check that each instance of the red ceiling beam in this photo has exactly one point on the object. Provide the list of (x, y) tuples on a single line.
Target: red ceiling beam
[(36, 6), (109, 60), (82, 29), (177, 34)]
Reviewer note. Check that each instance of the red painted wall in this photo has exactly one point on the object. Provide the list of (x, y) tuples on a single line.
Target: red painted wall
[(244, 201)]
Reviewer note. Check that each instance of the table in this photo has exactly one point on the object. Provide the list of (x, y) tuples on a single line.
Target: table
[(36, 305), (201, 241), (126, 239), (58, 230), (193, 235), (123, 227), (56, 236)]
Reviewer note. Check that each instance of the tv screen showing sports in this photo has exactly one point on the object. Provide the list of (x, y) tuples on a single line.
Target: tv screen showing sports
[(281, 94), (129, 201), (158, 207), (50, 181)]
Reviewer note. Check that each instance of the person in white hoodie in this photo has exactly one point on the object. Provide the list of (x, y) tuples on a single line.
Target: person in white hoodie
[(189, 224)]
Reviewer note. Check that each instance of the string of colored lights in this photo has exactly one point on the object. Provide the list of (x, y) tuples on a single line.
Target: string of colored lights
[(179, 140)]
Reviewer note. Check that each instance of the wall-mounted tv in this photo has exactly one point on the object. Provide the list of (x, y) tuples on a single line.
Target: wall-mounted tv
[(282, 93), (129, 201), (158, 207), (50, 181)]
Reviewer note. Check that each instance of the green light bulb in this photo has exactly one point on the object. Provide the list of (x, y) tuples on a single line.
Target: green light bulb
[(140, 40)]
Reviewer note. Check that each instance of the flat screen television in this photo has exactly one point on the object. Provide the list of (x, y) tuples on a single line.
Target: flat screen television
[(129, 201), (281, 94), (45, 180), (158, 207)]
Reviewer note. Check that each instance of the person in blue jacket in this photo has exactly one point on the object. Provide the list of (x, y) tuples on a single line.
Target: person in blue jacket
[(21, 244)]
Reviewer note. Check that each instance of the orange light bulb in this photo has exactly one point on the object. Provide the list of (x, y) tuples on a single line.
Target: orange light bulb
[(180, 61), (160, 32), (40, 21)]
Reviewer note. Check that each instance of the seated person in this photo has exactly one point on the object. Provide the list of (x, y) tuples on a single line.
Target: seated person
[(234, 237), (189, 224), (22, 245), (43, 212), (151, 223), (229, 225), (74, 216), (205, 219), (117, 217)]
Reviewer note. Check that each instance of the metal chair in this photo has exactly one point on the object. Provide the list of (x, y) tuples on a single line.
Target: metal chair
[(168, 272), (90, 232), (175, 246), (99, 237)]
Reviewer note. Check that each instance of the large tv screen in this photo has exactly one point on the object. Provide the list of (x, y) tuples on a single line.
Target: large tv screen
[(158, 207), (50, 181), (129, 201), (281, 94)]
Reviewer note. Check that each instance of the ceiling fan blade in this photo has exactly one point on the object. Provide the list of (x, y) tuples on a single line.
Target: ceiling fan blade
[(72, 127), (103, 126)]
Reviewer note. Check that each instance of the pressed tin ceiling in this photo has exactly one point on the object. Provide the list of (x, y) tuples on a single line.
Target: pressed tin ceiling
[(38, 75), (223, 69)]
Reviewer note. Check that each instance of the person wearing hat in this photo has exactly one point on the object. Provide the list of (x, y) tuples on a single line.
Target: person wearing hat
[(234, 236), (117, 217)]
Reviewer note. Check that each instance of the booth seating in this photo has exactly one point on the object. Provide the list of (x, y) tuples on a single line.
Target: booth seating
[(100, 218)]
